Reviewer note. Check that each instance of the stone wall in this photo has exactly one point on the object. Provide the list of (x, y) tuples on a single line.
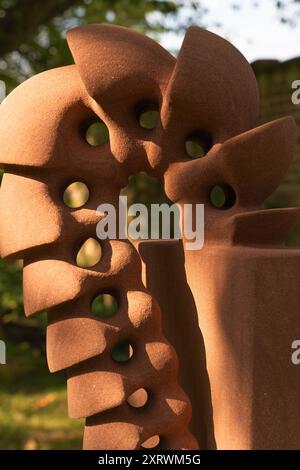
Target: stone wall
[(275, 83)]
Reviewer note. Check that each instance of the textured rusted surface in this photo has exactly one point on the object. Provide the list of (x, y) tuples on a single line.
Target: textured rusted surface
[(241, 287), (47, 114), (210, 89)]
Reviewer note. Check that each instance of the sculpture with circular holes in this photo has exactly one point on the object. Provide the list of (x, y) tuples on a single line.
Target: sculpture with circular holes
[(124, 107)]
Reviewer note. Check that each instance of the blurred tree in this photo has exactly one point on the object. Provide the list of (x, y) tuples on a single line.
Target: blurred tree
[(32, 33), (289, 12)]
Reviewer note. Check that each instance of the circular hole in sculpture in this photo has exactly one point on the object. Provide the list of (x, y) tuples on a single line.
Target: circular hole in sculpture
[(222, 196), (151, 443), (104, 306), (89, 254), (148, 115), (122, 351), (138, 399), (198, 144), (97, 134), (76, 195)]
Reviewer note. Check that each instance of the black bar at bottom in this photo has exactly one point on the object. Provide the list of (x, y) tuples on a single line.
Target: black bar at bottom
[(131, 459)]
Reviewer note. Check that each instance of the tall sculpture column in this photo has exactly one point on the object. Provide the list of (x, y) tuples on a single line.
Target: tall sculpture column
[(244, 280)]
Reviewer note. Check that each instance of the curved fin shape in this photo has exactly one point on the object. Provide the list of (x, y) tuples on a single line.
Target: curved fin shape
[(213, 88), (111, 61), (255, 162)]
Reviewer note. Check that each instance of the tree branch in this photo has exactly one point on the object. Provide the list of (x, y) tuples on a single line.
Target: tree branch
[(23, 19)]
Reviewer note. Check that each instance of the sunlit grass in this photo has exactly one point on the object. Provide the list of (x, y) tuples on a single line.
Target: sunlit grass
[(33, 410)]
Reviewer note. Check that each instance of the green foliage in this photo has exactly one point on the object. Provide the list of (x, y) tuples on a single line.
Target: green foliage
[(11, 299), (33, 412), (104, 306), (32, 33)]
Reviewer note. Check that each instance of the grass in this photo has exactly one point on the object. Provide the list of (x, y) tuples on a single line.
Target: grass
[(33, 410)]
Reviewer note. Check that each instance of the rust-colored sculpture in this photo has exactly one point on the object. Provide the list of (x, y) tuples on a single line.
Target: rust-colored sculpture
[(237, 280)]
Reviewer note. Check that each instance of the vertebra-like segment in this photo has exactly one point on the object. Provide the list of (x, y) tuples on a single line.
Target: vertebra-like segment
[(49, 115)]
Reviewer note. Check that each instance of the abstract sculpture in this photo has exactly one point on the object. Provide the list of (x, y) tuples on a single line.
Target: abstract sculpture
[(209, 94)]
